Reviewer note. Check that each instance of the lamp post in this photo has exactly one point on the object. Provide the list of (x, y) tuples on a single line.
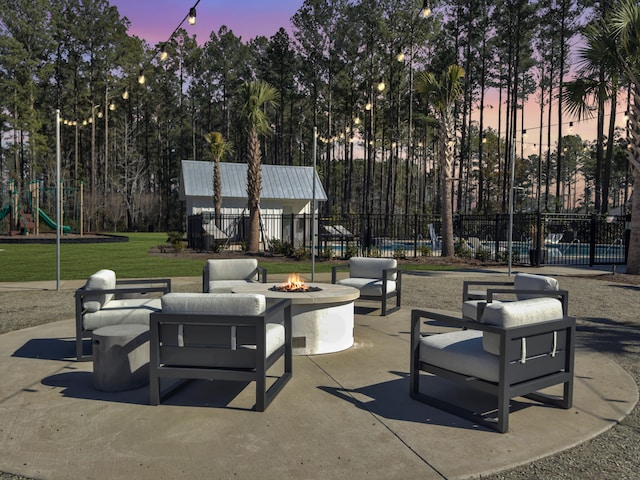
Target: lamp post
[(511, 188), (58, 219)]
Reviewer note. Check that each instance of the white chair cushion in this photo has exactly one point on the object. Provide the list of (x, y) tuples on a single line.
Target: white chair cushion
[(364, 267), (118, 312), (460, 352), (233, 269), (512, 314), (368, 286), (529, 281), (101, 280), (225, 286), (275, 338)]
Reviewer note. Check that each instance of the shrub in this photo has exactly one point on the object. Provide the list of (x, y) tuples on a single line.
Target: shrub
[(399, 253), (352, 251), (504, 257), (463, 250), (328, 253), (175, 239), (425, 250), (483, 254), (302, 253), (279, 247)]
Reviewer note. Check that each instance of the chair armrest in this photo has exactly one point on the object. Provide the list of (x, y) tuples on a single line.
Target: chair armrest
[(335, 269), (262, 274), (130, 286), (386, 274), (205, 279), (145, 285), (468, 283)]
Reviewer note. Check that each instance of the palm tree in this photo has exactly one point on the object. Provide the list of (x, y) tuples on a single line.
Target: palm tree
[(597, 83), (258, 97), (219, 149), (624, 21), (442, 94)]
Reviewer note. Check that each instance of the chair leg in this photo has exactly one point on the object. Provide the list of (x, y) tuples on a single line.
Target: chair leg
[(154, 390)]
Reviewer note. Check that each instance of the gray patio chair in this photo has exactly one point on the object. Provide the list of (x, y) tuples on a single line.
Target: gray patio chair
[(376, 278), (516, 350), (220, 337), (221, 275)]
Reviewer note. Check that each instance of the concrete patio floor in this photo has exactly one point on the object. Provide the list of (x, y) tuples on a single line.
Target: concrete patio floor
[(345, 414)]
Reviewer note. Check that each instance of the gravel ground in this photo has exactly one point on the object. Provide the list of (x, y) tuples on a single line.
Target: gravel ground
[(608, 321)]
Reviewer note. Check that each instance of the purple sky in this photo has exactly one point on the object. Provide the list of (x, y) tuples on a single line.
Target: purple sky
[(154, 20)]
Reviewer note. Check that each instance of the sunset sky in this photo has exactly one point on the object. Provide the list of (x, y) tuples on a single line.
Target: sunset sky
[(155, 20)]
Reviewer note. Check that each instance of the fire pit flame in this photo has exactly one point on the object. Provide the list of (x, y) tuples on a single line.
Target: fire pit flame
[(294, 283)]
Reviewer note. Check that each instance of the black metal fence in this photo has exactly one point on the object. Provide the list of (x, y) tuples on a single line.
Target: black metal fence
[(566, 239)]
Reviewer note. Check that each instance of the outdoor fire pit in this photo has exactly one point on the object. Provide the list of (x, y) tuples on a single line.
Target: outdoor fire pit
[(295, 284)]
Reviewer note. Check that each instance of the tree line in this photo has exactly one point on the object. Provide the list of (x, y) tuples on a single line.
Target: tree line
[(346, 68)]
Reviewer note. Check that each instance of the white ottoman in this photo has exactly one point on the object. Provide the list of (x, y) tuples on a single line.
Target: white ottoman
[(120, 357)]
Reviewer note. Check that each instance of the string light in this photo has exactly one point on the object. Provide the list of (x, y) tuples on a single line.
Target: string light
[(192, 15), (425, 11)]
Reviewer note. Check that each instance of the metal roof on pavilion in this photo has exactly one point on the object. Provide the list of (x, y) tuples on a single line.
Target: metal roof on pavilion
[(278, 181)]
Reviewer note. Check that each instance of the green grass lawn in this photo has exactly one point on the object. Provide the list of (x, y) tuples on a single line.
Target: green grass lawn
[(31, 262)]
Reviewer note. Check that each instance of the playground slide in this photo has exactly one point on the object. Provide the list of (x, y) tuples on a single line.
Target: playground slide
[(45, 218), (4, 211)]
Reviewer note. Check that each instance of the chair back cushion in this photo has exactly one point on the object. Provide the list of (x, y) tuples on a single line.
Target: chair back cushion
[(364, 267), (214, 304), (233, 269), (101, 280), (513, 314), (214, 344), (529, 281)]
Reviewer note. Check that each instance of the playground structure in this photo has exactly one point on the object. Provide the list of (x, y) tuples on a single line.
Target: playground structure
[(26, 213)]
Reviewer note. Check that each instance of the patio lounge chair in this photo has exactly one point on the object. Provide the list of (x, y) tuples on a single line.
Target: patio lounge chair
[(376, 278), (221, 275), (553, 238), (435, 238), (516, 350), (220, 337), (105, 301), (343, 232)]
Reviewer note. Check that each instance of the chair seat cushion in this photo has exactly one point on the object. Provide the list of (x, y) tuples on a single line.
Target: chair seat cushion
[(371, 287), (225, 286), (119, 312), (461, 352)]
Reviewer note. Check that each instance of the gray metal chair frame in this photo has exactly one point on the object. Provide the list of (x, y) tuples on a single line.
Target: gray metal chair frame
[(123, 287), (386, 296), (516, 379), (208, 359)]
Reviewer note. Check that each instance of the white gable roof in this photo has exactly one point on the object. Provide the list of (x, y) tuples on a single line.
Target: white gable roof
[(278, 181)]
